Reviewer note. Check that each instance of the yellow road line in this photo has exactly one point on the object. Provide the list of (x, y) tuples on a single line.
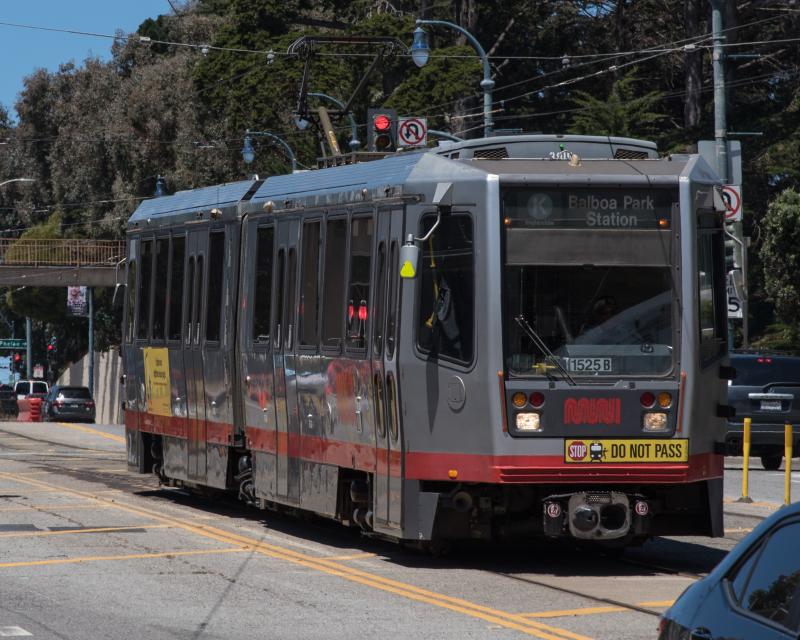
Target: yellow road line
[(132, 556), (102, 434), (64, 532), (352, 556), (34, 507), (585, 611), (590, 611), (331, 567)]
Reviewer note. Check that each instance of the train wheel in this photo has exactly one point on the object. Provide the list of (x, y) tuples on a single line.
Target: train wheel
[(772, 462)]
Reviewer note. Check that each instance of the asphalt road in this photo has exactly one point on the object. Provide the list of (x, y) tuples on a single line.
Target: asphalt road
[(90, 551)]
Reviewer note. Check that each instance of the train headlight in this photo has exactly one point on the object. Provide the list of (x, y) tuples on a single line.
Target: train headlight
[(528, 421), (654, 421)]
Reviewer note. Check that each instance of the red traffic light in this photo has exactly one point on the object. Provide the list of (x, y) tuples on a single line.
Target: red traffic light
[(382, 122), (17, 357), (50, 347)]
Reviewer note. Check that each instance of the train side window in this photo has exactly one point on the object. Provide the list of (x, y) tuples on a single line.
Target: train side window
[(262, 289), (446, 321), (145, 288), (290, 298), (358, 288), (216, 273), (189, 300), (391, 322), (160, 290), (131, 311), (309, 285), (175, 303), (711, 291), (333, 309), (379, 304), (278, 302)]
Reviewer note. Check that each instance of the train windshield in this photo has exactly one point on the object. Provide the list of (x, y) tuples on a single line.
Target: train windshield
[(589, 281), (600, 321)]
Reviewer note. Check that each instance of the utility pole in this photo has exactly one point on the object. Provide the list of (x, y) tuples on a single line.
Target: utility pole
[(29, 348), (720, 98), (90, 301)]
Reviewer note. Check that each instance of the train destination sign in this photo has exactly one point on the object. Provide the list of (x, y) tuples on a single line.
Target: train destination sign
[(582, 208)]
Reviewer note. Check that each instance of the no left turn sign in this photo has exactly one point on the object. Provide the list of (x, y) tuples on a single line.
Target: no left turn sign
[(732, 198), (412, 132)]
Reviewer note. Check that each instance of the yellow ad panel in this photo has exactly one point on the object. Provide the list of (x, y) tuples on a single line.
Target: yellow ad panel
[(156, 376), (604, 450)]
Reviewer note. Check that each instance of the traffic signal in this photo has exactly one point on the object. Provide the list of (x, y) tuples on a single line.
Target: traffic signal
[(51, 346), (381, 130), (19, 363), (733, 250)]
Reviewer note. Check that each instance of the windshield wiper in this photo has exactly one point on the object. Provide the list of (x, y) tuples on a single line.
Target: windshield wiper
[(539, 344)]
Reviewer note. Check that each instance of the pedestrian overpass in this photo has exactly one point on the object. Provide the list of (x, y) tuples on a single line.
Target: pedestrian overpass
[(61, 263)]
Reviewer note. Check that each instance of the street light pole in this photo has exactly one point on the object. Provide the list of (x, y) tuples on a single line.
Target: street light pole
[(249, 153), (420, 52)]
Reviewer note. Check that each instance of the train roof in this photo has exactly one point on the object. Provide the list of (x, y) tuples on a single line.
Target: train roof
[(347, 184)]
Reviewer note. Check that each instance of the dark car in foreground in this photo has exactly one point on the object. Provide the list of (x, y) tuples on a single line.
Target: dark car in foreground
[(9, 410), (69, 403), (766, 389), (753, 594)]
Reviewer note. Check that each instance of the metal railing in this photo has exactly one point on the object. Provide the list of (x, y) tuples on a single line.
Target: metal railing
[(61, 253)]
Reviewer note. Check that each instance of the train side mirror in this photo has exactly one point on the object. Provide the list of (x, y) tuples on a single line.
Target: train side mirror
[(409, 258), (116, 301)]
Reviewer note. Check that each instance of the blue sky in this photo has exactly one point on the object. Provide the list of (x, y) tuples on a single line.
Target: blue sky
[(22, 51)]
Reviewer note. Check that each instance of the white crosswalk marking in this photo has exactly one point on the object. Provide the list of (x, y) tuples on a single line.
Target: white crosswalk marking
[(14, 631)]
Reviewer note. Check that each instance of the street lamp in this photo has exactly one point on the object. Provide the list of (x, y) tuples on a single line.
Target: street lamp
[(2, 184), (249, 152), (420, 52), (354, 143)]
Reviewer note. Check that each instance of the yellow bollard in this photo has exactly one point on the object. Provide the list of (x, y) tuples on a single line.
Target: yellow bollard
[(746, 462), (787, 483)]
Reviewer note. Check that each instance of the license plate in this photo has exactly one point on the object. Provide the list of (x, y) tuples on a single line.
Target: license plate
[(611, 451), (589, 365), (74, 406), (770, 405)]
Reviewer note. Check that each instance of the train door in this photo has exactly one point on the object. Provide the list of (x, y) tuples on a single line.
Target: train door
[(388, 436), (283, 358), (193, 355)]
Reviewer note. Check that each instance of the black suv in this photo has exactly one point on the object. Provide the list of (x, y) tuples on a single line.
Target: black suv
[(767, 390)]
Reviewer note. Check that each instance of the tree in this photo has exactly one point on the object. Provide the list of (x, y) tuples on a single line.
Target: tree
[(780, 255), (626, 112)]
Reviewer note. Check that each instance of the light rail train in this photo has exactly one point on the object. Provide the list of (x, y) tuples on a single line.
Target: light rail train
[(507, 337)]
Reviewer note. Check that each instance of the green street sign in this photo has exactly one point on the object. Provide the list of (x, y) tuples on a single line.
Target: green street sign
[(12, 343)]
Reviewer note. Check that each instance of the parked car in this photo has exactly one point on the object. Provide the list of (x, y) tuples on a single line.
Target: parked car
[(754, 593), (28, 388), (69, 403), (767, 390)]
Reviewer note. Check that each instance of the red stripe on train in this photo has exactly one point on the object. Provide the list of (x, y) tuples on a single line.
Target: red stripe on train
[(419, 465)]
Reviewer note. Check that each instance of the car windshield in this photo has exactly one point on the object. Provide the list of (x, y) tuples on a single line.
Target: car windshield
[(39, 387), (23, 388), (757, 371), (595, 320), (74, 393)]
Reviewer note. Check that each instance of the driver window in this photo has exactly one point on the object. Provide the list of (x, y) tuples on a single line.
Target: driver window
[(445, 325)]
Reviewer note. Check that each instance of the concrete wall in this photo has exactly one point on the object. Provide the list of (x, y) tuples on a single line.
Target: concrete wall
[(107, 391)]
